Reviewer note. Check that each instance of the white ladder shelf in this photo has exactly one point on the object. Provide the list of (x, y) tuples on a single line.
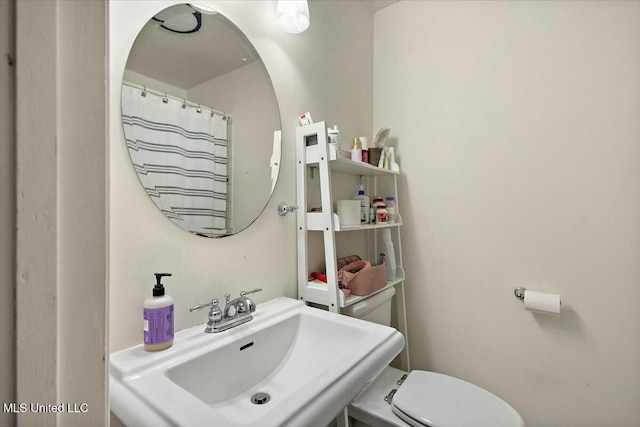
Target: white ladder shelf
[(313, 151)]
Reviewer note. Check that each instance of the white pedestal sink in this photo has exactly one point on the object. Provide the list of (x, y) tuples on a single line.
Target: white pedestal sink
[(310, 363)]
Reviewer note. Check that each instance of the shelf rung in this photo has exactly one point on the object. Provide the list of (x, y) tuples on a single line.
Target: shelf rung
[(316, 221)]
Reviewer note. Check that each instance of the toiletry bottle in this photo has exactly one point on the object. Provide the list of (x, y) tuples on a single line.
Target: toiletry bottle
[(356, 150), (393, 165), (391, 209), (365, 149), (334, 139), (381, 214), (365, 206), (375, 202), (390, 255), (158, 318)]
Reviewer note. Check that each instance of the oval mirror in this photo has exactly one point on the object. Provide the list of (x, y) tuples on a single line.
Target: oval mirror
[(201, 121)]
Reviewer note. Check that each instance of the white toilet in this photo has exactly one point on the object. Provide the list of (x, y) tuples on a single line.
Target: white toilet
[(422, 399)]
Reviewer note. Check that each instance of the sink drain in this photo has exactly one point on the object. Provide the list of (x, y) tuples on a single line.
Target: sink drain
[(260, 398)]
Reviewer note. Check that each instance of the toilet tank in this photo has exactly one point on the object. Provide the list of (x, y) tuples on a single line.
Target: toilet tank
[(376, 308)]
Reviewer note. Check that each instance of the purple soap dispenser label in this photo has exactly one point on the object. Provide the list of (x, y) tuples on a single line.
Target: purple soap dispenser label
[(158, 325)]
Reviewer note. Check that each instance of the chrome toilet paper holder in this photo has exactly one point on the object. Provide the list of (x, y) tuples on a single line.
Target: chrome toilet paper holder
[(519, 292)]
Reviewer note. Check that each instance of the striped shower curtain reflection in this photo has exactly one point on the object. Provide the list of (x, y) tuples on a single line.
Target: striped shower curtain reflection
[(180, 155)]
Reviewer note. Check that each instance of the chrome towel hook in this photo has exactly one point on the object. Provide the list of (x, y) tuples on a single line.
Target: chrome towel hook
[(519, 292), (284, 209)]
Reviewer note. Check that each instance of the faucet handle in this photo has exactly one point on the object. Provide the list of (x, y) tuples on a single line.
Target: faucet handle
[(247, 304), (213, 303)]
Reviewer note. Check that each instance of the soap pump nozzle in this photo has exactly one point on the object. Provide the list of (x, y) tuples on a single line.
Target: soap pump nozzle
[(158, 289)]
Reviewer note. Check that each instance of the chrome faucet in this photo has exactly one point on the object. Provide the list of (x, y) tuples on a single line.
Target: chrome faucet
[(236, 312)]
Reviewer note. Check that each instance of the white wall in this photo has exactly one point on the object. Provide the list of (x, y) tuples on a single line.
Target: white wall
[(157, 85), (303, 70), (518, 137)]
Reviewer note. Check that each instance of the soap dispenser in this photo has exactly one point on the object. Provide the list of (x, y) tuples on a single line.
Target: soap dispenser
[(158, 318)]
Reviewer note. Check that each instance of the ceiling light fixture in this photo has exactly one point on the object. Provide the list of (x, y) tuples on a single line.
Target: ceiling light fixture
[(181, 18), (204, 9), (293, 15)]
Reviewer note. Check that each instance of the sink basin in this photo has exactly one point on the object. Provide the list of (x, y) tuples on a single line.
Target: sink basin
[(291, 365)]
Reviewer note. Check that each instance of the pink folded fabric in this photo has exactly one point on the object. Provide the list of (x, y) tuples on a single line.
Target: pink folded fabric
[(348, 272)]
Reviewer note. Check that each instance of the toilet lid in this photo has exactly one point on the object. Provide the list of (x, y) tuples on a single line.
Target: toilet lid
[(436, 400)]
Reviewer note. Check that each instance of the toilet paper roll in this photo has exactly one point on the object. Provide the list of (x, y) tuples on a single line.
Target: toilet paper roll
[(349, 212), (541, 302)]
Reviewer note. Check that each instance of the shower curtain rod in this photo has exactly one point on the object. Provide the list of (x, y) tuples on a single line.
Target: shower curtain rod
[(184, 101)]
